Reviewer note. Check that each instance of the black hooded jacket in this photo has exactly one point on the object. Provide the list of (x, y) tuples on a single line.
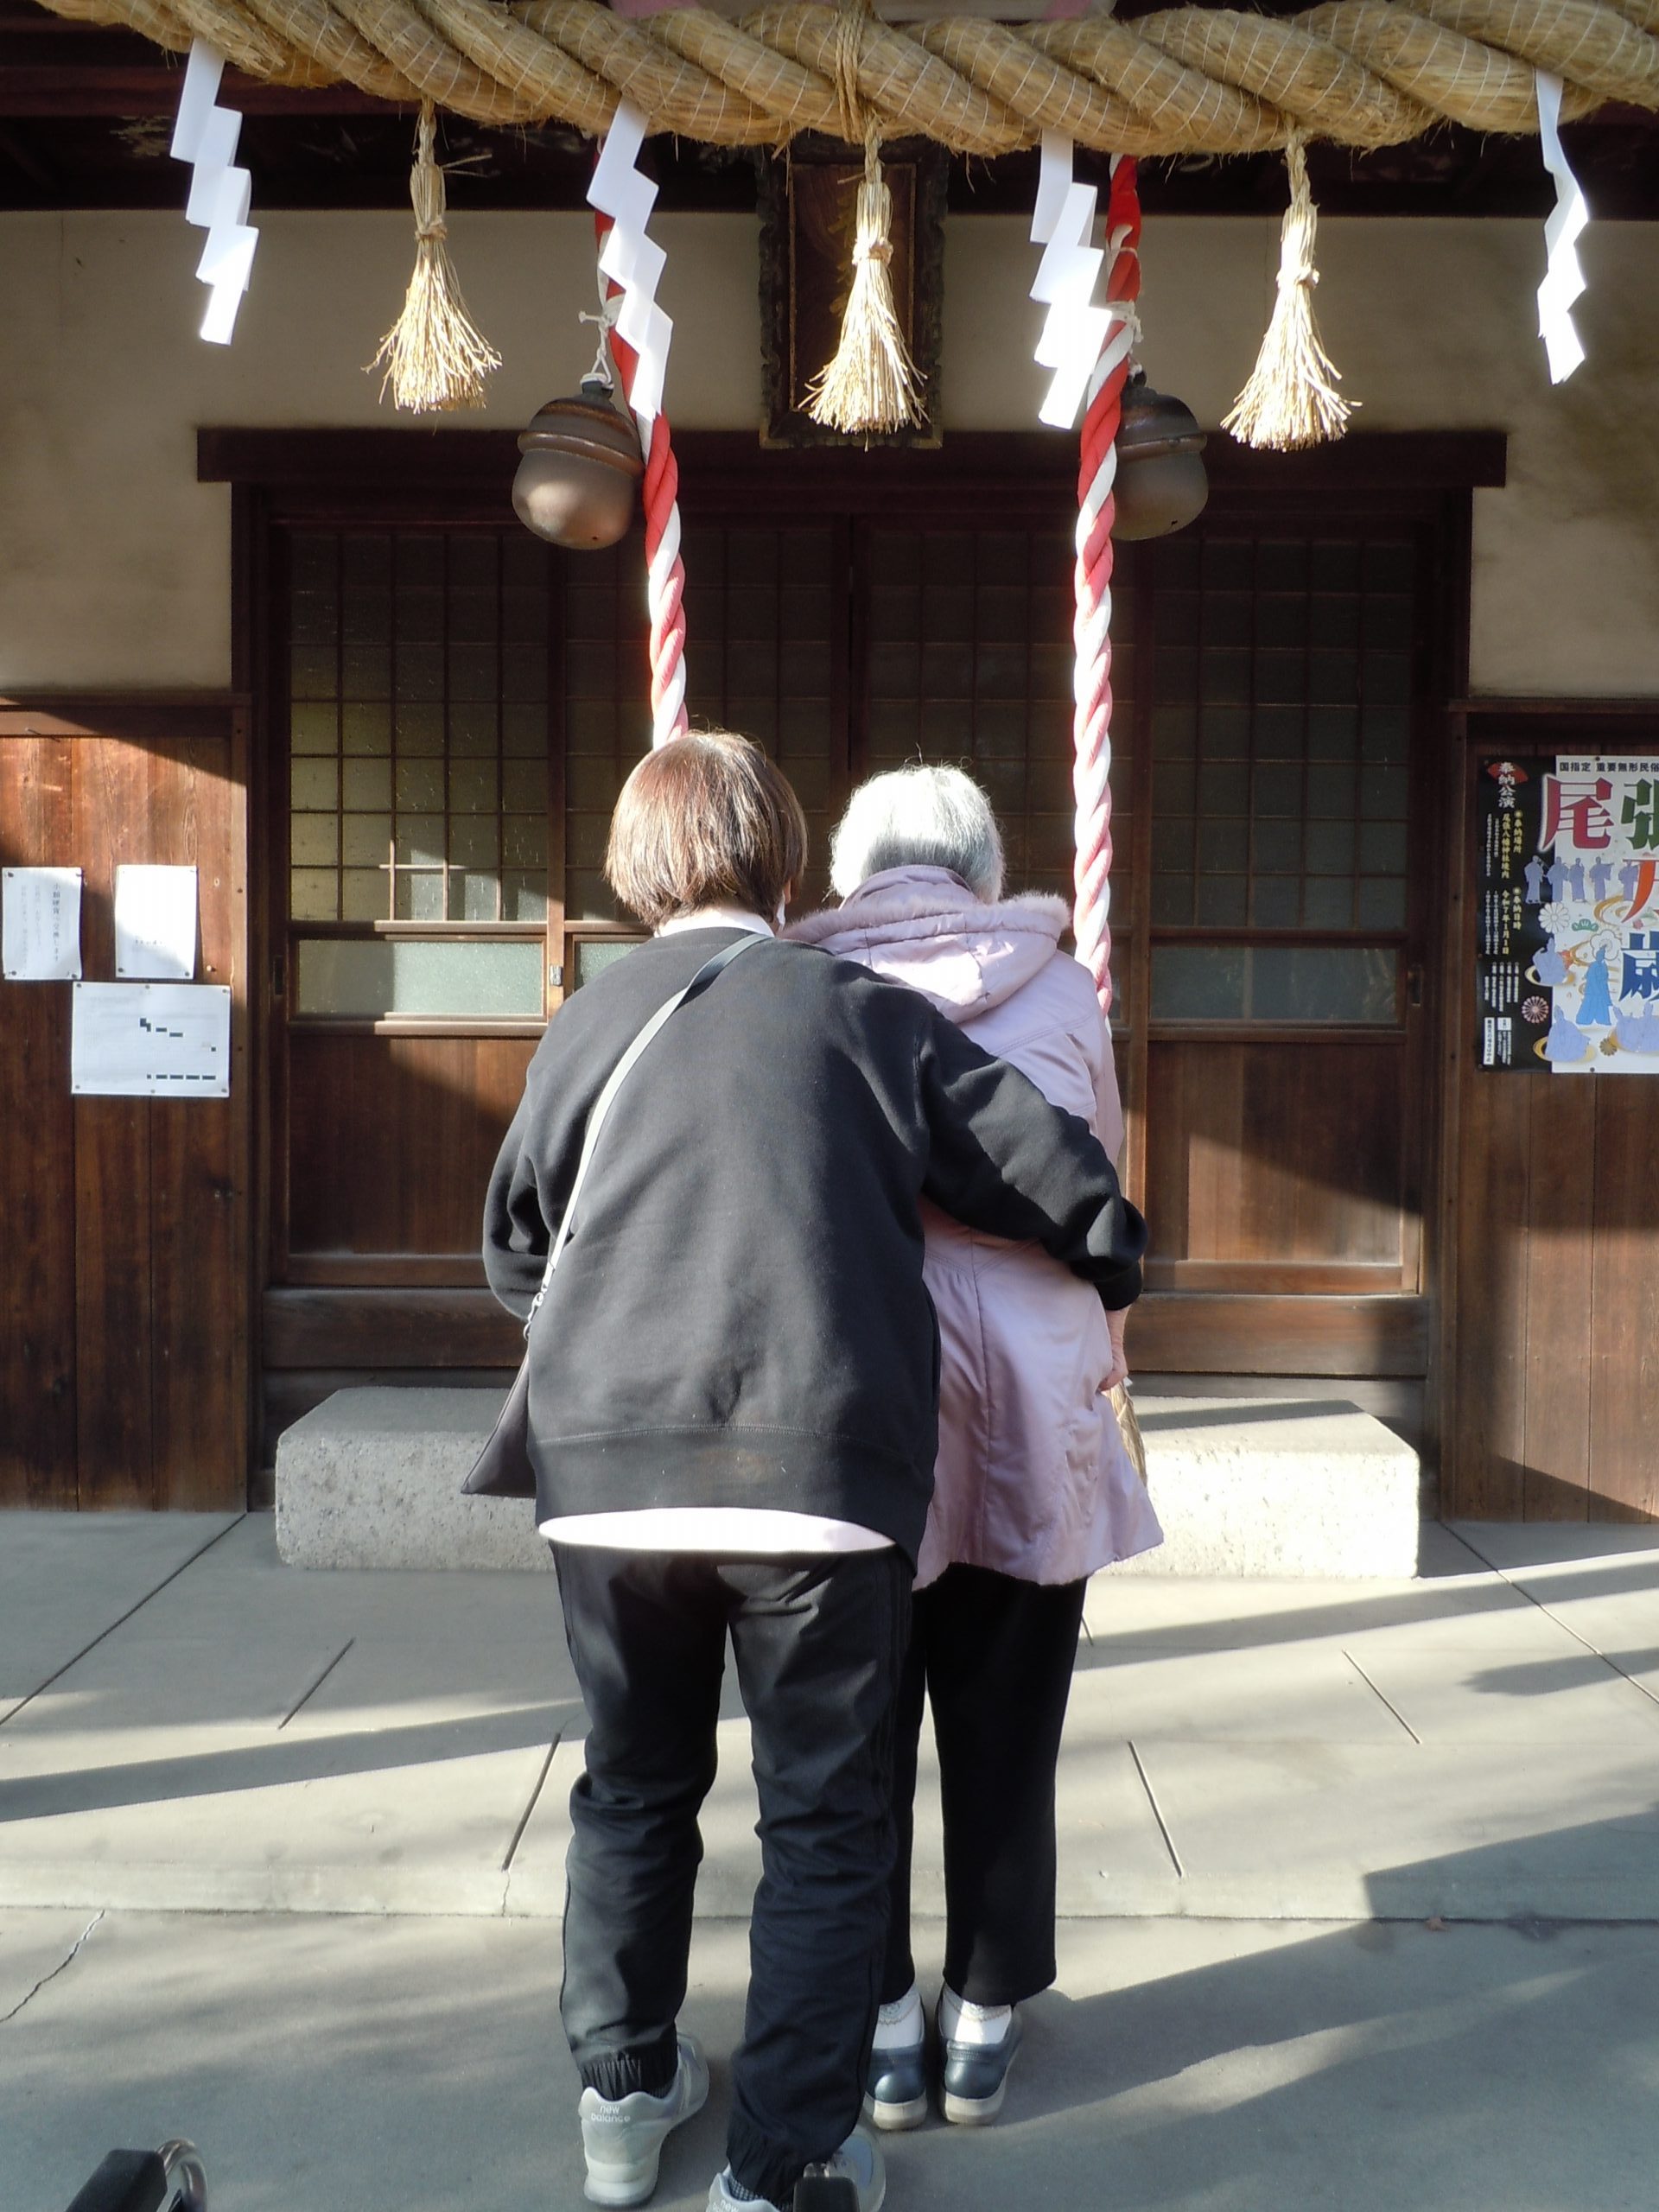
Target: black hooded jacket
[(738, 1316)]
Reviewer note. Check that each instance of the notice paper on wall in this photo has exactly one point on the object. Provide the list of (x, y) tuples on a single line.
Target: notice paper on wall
[(151, 1040), (40, 925), (156, 922)]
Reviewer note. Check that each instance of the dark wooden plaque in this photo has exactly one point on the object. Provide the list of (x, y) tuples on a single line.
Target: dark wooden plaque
[(809, 199)]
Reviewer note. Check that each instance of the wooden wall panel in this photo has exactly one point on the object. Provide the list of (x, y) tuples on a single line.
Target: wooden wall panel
[(1551, 1341), (145, 1401), (391, 1139), (199, 1202), (37, 1172), (112, 1309), (1485, 1454), (1192, 1332), (1276, 1154), (1561, 1180), (1623, 1311), (389, 1328)]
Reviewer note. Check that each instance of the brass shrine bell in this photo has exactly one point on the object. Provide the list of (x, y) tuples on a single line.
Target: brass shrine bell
[(582, 461), (1161, 484)]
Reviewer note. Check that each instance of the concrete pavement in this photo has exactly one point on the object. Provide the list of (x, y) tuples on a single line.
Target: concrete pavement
[(280, 1867)]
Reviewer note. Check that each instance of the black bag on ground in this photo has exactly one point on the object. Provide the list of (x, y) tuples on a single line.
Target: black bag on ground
[(503, 1468)]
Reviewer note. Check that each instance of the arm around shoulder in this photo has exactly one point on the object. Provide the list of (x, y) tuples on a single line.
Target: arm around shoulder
[(1002, 1159)]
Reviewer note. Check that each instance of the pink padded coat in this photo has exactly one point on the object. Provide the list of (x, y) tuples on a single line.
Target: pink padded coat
[(1032, 1478)]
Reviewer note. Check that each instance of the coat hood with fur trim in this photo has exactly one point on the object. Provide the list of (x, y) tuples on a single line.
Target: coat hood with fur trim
[(924, 927)]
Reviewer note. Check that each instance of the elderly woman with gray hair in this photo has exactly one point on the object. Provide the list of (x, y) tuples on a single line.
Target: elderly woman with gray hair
[(1032, 1488)]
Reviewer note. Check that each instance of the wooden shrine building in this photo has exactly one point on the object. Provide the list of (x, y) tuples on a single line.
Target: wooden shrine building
[(253, 623)]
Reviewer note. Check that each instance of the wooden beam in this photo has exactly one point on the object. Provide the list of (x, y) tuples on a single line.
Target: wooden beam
[(130, 90), (725, 461)]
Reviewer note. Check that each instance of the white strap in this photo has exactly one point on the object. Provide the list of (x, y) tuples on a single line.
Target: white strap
[(619, 1075)]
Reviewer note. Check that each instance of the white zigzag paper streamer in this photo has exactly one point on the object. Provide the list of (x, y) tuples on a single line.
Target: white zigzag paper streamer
[(1564, 279), (631, 260), (1079, 342), (205, 136)]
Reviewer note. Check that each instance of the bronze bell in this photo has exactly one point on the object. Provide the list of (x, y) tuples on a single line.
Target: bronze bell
[(1161, 484), (582, 460)]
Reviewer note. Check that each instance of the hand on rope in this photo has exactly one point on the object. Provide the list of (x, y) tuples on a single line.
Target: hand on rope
[(1091, 718)]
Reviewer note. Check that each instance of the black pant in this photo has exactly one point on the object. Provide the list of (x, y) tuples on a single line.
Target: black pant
[(819, 1644), (995, 1657)]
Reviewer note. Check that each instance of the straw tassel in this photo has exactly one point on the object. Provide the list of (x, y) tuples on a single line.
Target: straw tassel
[(872, 384), (1292, 399), (434, 356)]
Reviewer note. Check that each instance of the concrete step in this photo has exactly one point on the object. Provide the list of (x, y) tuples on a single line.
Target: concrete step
[(1268, 1486)]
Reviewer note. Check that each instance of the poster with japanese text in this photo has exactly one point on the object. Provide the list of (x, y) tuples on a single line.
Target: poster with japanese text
[(1566, 919)]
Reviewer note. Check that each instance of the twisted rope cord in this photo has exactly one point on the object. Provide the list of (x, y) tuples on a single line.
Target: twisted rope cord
[(664, 570), (1091, 626), (1186, 80)]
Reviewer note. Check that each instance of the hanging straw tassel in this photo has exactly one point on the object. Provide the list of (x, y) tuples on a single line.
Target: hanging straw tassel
[(872, 384), (432, 355), (1292, 399)]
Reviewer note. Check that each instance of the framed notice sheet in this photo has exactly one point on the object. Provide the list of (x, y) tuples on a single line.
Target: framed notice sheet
[(151, 1040), (1566, 917)]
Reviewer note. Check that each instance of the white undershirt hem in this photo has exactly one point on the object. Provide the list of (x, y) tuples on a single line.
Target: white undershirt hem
[(716, 1529)]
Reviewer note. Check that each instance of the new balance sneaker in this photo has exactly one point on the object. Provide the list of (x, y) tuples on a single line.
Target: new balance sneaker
[(976, 2073), (895, 2092), (622, 2138), (854, 2180)]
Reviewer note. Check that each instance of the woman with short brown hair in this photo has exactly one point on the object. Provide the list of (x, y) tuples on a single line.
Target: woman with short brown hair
[(733, 1416)]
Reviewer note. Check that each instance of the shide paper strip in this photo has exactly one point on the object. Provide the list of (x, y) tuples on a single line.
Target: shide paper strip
[(1081, 343), (205, 135), (631, 260), (1564, 279)]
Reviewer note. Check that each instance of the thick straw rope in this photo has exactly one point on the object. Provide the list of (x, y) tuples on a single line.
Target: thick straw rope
[(1091, 626), (1189, 81)]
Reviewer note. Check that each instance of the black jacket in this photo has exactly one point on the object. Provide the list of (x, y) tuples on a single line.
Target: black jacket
[(738, 1316)]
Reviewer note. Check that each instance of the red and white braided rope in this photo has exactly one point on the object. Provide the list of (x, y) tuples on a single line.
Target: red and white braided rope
[(1091, 718), (664, 571)]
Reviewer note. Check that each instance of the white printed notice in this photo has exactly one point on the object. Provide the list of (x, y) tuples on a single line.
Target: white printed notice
[(156, 922), (151, 1040), (40, 925)]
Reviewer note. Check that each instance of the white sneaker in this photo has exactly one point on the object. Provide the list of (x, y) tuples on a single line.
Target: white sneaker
[(623, 2138)]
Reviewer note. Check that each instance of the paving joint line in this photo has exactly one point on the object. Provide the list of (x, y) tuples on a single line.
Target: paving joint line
[(313, 1687), (1382, 1700), (1550, 1614), (535, 1799), (68, 1960), (41, 1687), (1157, 1812)]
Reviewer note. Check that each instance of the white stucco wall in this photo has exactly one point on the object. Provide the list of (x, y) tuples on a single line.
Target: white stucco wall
[(114, 567)]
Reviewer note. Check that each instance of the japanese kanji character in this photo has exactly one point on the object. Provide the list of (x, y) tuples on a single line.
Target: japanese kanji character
[(1579, 806)]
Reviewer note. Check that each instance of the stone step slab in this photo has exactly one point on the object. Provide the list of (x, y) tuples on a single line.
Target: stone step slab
[(1276, 1487)]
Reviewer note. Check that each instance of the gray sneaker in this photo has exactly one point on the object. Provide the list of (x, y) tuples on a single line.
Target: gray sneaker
[(622, 2140)]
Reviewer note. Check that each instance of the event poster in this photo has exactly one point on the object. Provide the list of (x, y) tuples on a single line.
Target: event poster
[(1568, 914)]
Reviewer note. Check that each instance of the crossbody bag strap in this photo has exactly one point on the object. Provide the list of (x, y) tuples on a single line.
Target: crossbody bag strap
[(614, 1082)]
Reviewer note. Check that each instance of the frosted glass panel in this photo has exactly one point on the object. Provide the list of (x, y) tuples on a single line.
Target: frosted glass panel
[(1236, 982), (595, 954), (352, 977)]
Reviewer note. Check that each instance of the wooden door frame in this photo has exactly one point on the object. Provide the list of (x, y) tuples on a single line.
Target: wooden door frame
[(450, 476)]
